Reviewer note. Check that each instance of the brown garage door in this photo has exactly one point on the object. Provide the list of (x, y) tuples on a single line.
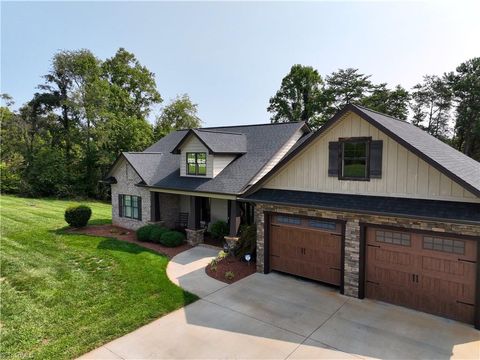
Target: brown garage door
[(306, 247), (431, 273)]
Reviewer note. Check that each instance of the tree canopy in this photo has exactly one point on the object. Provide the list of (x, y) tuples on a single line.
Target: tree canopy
[(180, 113), (300, 97)]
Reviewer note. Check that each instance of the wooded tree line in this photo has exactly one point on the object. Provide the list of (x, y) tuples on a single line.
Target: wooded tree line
[(447, 106), (87, 111)]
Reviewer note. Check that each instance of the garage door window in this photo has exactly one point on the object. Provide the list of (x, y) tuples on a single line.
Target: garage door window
[(288, 220), (318, 224), (393, 237), (444, 245)]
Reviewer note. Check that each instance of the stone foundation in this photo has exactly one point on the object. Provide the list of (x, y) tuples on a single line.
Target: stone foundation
[(194, 237), (352, 234)]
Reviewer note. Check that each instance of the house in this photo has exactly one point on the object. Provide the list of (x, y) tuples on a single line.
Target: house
[(369, 204)]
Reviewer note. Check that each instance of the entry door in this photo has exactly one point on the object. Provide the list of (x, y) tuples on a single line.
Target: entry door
[(434, 274), (309, 248)]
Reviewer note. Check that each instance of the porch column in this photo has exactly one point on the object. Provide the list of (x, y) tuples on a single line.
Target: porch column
[(194, 215), (233, 224), (194, 233), (233, 218)]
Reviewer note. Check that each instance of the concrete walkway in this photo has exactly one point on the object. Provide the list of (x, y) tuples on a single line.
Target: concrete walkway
[(187, 270), (282, 317)]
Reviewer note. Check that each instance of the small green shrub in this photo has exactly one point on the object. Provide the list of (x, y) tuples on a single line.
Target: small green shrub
[(144, 233), (247, 244), (229, 275), (172, 238), (78, 216), (219, 229), (156, 234), (221, 255)]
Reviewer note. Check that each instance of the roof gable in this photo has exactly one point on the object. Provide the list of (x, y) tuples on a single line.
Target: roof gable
[(455, 165), (217, 142)]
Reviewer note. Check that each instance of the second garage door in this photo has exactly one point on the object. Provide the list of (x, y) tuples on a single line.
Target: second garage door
[(431, 273), (306, 247)]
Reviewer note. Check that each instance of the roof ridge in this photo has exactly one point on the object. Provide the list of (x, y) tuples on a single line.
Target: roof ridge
[(143, 152), (217, 132), (380, 113), (249, 125)]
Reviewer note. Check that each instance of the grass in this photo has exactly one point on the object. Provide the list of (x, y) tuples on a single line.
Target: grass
[(63, 294)]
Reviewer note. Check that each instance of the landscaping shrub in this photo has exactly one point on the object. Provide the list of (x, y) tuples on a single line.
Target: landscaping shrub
[(144, 233), (156, 234), (172, 238), (219, 229), (229, 275), (78, 216), (247, 244)]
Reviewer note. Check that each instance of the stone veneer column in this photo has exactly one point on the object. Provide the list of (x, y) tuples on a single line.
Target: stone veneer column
[(352, 258), (260, 222), (194, 237)]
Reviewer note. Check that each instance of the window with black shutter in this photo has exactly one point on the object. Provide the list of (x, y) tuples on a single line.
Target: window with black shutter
[(355, 158), (130, 206)]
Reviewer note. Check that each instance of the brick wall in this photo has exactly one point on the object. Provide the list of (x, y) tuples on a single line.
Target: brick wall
[(352, 234), (126, 180)]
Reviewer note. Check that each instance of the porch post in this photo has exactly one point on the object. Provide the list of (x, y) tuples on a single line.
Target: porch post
[(232, 218), (194, 216), (194, 233), (233, 224)]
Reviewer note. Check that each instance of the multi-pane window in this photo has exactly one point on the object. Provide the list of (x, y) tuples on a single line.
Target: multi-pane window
[(130, 207), (197, 163), (392, 237), (283, 219), (319, 224), (354, 159), (445, 245)]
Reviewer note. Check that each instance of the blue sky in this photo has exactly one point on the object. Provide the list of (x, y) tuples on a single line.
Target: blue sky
[(230, 57)]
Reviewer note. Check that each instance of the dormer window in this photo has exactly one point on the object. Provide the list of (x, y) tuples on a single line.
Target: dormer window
[(197, 163)]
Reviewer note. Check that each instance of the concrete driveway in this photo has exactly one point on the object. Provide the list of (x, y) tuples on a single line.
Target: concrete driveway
[(277, 316)]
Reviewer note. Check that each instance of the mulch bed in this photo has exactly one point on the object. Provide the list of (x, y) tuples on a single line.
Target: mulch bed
[(240, 269), (119, 233)]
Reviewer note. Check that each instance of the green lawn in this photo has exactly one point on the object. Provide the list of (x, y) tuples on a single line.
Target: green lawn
[(63, 295)]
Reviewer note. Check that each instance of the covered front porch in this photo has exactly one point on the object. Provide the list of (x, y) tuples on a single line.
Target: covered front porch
[(195, 213)]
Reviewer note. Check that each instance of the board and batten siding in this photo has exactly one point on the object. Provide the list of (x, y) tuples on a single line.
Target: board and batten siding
[(215, 163), (404, 174), (278, 156)]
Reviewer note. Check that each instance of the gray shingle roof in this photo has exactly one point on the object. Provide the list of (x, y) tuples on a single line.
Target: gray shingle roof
[(221, 142), (262, 142), (444, 157)]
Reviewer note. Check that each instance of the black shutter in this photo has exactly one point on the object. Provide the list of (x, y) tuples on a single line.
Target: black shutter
[(139, 203), (120, 205), (333, 156), (376, 150)]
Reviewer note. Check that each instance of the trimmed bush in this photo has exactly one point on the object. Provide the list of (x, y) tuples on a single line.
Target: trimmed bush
[(144, 233), (219, 229), (78, 216), (172, 238), (156, 234), (247, 244)]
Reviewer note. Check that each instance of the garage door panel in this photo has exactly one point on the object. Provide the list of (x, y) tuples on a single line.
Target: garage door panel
[(434, 274), (310, 252)]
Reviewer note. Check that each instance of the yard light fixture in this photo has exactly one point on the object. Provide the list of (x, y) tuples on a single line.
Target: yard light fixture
[(248, 257)]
